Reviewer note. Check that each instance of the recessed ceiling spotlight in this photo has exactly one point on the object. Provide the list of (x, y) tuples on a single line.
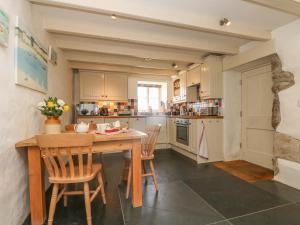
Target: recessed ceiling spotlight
[(113, 16), (225, 22), (147, 59), (174, 65)]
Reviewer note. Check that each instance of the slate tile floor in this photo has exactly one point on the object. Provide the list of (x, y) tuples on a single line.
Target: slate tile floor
[(189, 194)]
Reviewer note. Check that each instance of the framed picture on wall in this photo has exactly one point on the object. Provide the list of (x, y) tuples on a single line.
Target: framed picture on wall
[(31, 66), (4, 28)]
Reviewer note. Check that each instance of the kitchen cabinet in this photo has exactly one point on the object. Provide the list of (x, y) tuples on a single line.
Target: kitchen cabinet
[(182, 77), (132, 88), (91, 86), (137, 123), (214, 134), (115, 86), (163, 135), (193, 76), (211, 79), (172, 130), (102, 86), (194, 136)]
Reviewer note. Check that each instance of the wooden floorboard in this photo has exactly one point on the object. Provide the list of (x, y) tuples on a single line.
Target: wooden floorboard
[(246, 170)]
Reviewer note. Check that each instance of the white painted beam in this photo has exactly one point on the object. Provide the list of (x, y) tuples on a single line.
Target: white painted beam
[(287, 6), (92, 57), (260, 51), (160, 14), (122, 69), (127, 49), (99, 26)]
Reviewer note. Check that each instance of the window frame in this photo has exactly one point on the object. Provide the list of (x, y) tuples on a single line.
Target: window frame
[(148, 86)]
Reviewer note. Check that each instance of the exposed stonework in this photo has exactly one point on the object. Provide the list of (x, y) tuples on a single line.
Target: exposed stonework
[(285, 147), (281, 80)]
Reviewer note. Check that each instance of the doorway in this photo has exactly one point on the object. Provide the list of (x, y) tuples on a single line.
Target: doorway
[(257, 131)]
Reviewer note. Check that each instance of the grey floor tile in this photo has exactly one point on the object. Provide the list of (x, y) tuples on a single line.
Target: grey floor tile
[(287, 215), (173, 199), (280, 190), (233, 197)]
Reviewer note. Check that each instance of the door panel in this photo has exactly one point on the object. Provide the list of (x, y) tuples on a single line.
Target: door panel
[(257, 131)]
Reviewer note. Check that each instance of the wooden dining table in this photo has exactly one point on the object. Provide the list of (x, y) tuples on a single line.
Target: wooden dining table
[(102, 143)]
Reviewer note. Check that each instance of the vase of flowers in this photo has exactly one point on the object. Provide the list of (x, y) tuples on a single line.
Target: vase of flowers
[(52, 108)]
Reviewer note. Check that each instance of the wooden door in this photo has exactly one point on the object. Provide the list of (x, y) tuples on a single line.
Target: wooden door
[(91, 85), (116, 86), (257, 132)]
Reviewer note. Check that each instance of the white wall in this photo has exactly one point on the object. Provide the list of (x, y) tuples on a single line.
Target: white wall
[(232, 119), (287, 44), (19, 118)]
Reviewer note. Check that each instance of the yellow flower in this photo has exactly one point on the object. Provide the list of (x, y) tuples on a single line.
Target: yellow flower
[(50, 104), (66, 108)]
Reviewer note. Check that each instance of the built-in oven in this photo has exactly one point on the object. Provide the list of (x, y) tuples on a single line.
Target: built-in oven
[(182, 131)]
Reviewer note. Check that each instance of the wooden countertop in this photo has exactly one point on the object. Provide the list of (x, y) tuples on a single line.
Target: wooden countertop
[(131, 134), (145, 116)]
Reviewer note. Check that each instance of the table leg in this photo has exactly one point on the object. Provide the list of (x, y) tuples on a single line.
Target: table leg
[(136, 174), (36, 186)]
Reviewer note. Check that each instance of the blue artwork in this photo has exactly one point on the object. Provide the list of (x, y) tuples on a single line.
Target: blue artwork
[(31, 62), (4, 28)]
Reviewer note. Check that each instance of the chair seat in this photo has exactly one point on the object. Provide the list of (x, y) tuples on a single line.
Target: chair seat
[(96, 168)]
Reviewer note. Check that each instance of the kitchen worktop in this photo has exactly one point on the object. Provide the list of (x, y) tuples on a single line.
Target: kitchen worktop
[(145, 116)]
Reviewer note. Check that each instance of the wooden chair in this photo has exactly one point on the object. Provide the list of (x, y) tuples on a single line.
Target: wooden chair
[(92, 127), (68, 159), (148, 146)]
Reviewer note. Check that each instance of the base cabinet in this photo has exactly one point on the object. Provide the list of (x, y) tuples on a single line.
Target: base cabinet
[(137, 124), (163, 135)]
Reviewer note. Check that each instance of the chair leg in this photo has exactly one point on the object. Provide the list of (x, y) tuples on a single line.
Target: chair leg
[(53, 203), (103, 172), (65, 196), (87, 203), (100, 180), (129, 180), (153, 174), (144, 170)]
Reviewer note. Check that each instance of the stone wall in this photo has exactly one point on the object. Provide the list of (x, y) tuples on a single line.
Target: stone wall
[(285, 147)]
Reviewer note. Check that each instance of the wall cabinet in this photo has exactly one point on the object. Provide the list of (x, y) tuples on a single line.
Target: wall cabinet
[(102, 86), (193, 76), (91, 85), (180, 95), (211, 79)]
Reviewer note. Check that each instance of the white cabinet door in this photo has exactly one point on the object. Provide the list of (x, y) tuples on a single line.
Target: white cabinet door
[(91, 85), (193, 76), (163, 135), (137, 124), (214, 134), (193, 135), (211, 83), (115, 86), (172, 130)]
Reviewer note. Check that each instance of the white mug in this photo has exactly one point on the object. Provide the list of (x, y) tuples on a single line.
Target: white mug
[(117, 124), (102, 126)]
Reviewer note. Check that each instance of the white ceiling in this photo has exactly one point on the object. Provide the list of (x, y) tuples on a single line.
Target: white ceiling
[(167, 31)]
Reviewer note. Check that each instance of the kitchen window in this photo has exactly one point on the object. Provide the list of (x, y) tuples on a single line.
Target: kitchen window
[(149, 97)]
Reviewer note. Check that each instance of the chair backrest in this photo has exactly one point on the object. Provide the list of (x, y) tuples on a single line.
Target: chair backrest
[(59, 150), (71, 127), (152, 132)]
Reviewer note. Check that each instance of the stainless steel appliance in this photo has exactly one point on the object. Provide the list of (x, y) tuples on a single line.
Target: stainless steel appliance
[(182, 131)]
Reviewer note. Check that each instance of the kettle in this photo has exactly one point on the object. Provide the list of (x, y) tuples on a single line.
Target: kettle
[(82, 127)]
